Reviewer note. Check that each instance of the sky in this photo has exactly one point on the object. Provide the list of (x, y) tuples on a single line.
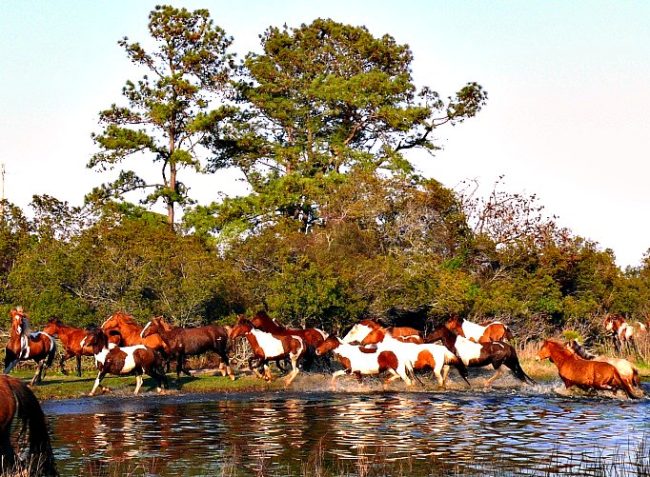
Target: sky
[(567, 118)]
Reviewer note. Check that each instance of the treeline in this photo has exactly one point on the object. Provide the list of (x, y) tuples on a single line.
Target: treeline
[(335, 224)]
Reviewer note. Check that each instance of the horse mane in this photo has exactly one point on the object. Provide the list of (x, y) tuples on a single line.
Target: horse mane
[(580, 350)]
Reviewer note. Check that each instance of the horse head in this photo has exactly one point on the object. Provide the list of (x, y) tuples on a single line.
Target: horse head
[(613, 322), (332, 342), (19, 321), (360, 330), (241, 328), (53, 325), (455, 325), (96, 339), (553, 350)]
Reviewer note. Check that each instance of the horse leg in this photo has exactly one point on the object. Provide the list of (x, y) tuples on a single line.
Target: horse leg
[(10, 366), (294, 370), (98, 381), (223, 354), (7, 454), (78, 357), (138, 383), (38, 375), (179, 364), (445, 373), (499, 372), (62, 361), (267, 372)]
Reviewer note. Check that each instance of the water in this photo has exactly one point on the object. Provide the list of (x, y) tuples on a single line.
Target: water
[(503, 432)]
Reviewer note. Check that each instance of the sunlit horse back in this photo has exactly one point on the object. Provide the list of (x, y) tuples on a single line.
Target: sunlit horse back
[(494, 331), (23, 345), (129, 331), (17, 400)]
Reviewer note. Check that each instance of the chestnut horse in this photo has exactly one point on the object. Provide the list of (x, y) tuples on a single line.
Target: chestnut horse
[(269, 346), (626, 369), (183, 342), (129, 331), (361, 361), (312, 337), (583, 373), (39, 346), (71, 338), (17, 400), (474, 354), (494, 331), (360, 331), (623, 332), (121, 361)]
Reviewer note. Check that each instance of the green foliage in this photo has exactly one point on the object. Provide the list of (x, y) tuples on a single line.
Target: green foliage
[(169, 108)]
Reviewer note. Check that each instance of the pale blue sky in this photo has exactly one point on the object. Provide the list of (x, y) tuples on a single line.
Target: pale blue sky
[(567, 118)]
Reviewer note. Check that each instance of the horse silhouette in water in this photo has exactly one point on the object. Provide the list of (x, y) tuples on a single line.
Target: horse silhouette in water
[(17, 401), (23, 345)]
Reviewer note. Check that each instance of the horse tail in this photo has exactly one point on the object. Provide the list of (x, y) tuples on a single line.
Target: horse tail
[(32, 418), (52, 353), (518, 371)]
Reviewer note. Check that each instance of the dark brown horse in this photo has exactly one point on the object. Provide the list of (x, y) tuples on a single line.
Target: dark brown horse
[(128, 360), (71, 338), (23, 345), (496, 353), (17, 400), (124, 325), (268, 346), (312, 337), (183, 342), (583, 373), (494, 331)]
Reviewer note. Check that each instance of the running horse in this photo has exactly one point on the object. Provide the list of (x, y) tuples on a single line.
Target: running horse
[(183, 342), (312, 337), (268, 346), (585, 374), (18, 401), (623, 332), (496, 353), (71, 338), (626, 369), (494, 331), (365, 361), (121, 361), (22, 346), (124, 325)]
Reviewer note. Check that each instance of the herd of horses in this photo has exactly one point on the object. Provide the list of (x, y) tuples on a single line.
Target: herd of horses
[(120, 346)]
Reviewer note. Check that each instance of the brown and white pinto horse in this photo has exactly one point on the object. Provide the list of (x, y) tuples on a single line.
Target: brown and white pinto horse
[(583, 373), (17, 400), (71, 338), (312, 337), (623, 332), (121, 361), (626, 369), (360, 331), (494, 331), (23, 345), (268, 346), (183, 342), (417, 354), (496, 353), (364, 361), (129, 331)]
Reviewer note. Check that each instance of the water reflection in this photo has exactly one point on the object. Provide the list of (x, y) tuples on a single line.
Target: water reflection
[(279, 433)]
